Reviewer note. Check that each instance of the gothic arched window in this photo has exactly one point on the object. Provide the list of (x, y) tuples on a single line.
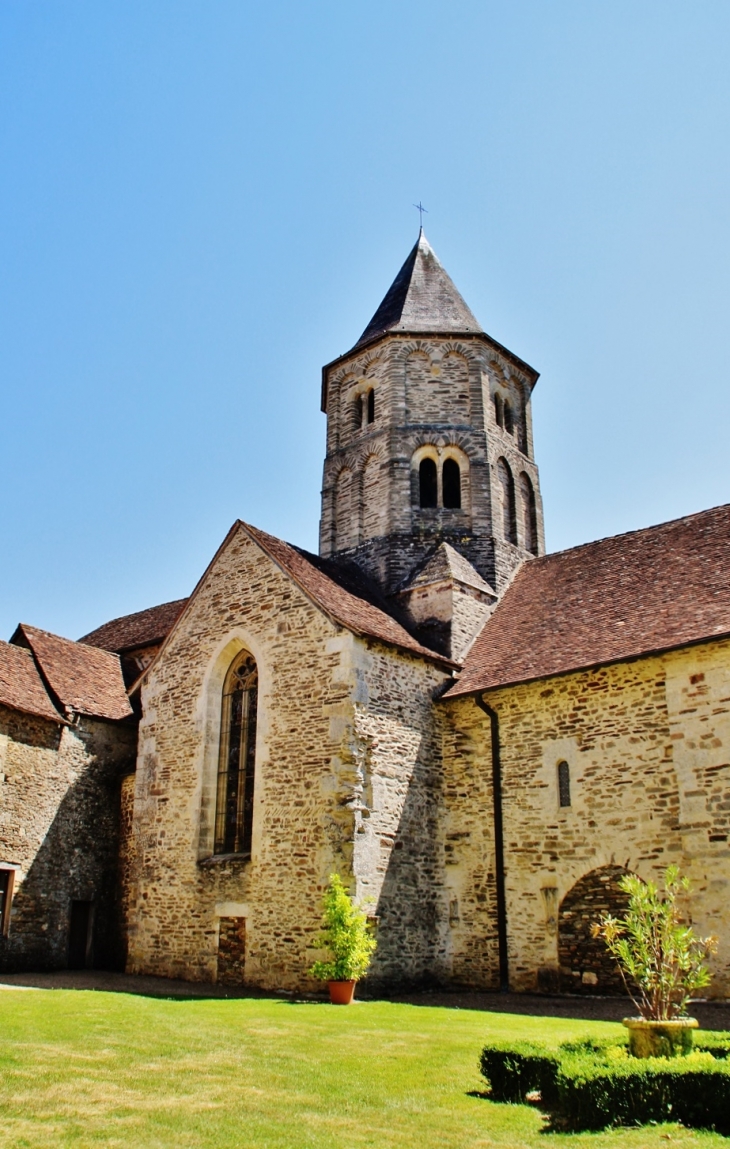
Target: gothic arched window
[(237, 758), (371, 405), (529, 513), (451, 482), (507, 486), (428, 483)]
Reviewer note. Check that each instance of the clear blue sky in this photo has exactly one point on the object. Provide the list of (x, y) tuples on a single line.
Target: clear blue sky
[(202, 202)]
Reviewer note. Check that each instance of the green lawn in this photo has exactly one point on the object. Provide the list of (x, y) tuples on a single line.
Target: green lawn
[(82, 1068)]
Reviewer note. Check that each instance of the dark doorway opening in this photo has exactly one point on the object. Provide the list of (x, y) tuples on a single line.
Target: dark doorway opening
[(80, 955)]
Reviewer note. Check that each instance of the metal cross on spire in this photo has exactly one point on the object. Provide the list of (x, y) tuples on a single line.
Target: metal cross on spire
[(420, 209)]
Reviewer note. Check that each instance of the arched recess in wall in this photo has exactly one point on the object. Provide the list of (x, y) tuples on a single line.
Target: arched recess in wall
[(499, 410), (507, 498), (585, 964), (529, 513), (237, 758), (346, 511), (420, 401), (374, 506), (455, 377)]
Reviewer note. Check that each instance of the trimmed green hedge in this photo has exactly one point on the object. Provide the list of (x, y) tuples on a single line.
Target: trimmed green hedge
[(591, 1084), (514, 1069)]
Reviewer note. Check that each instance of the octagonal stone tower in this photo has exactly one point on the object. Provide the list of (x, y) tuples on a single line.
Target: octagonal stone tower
[(429, 439)]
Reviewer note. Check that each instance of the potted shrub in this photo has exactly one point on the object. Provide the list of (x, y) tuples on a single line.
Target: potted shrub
[(347, 936), (661, 962)]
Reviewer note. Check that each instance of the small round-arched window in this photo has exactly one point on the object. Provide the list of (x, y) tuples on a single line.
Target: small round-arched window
[(428, 483), (451, 480)]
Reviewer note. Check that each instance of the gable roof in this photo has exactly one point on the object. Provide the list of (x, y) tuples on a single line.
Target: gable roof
[(132, 631), (341, 593), (618, 598), (344, 595), (21, 686), (84, 679), (422, 297)]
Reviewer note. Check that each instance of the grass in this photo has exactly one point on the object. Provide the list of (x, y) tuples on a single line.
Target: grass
[(86, 1069)]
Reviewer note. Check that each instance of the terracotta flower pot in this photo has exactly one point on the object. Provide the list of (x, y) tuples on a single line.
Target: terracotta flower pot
[(341, 992), (660, 1038)]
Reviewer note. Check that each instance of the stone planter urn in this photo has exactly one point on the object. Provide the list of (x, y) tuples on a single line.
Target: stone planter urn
[(341, 992), (660, 1038)]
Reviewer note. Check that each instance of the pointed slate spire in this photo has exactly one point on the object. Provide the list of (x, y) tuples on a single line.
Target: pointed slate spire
[(422, 297)]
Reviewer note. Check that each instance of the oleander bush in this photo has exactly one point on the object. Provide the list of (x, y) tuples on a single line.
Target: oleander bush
[(594, 1083)]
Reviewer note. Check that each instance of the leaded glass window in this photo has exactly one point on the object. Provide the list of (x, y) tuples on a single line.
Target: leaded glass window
[(564, 783), (237, 759)]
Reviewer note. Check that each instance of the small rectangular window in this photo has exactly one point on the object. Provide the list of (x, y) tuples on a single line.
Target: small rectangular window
[(564, 783)]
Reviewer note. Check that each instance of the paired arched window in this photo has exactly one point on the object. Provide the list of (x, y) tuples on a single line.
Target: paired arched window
[(529, 513), (507, 495), (237, 758), (363, 409), (509, 418), (428, 483)]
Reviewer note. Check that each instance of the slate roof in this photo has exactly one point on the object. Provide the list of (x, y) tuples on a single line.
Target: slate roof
[(618, 598), (447, 564), (84, 679), (133, 631), (422, 297), (344, 595), (21, 686)]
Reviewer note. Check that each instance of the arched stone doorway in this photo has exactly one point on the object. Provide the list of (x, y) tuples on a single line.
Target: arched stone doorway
[(585, 964)]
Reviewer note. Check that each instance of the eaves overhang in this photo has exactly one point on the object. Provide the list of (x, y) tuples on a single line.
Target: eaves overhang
[(474, 335)]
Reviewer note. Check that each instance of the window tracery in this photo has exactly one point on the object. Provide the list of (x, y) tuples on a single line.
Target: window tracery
[(237, 758)]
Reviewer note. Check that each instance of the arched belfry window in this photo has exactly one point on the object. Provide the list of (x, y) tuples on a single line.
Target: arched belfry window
[(237, 758), (509, 419), (371, 405), (428, 483), (451, 479)]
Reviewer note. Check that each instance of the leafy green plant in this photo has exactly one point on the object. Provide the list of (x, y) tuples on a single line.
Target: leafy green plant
[(346, 934), (660, 959)]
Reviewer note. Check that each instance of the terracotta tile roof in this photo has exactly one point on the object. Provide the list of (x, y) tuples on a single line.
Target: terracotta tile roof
[(617, 598), (85, 680), (342, 594), (21, 686), (133, 631)]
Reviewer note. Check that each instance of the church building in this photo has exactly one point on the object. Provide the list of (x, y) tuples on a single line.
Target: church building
[(479, 737)]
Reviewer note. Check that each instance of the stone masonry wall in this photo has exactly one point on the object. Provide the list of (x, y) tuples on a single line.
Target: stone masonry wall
[(332, 785), (434, 394), (59, 826), (648, 747)]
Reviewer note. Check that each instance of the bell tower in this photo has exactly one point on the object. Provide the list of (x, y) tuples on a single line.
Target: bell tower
[(429, 439)]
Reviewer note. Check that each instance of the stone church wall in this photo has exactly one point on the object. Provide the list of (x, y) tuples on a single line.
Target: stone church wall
[(337, 752), (59, 809), (648, 748), (435, 393)]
